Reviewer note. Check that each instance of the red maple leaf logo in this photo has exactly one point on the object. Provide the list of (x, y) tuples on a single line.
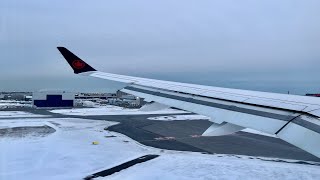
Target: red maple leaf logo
[(78, 64)]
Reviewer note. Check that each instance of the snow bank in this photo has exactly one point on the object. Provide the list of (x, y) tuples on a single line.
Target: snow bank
[(13, 104), (14, 123), (111, 110), (18, 114), (88, 104)]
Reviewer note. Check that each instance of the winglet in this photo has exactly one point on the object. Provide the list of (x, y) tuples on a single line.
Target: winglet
[(77, 64)]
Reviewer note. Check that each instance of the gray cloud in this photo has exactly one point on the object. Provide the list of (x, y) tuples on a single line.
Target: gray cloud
[(261, 45)]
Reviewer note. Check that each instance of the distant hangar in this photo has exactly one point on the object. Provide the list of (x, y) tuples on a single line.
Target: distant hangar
[(43, 99)]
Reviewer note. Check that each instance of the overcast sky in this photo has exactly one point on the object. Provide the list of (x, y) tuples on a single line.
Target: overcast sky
[(266, 45)]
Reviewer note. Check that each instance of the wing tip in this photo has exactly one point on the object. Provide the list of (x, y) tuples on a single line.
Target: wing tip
[(77, 64)]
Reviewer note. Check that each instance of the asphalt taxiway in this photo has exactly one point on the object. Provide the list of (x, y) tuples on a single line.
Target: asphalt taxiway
[(184, 136)]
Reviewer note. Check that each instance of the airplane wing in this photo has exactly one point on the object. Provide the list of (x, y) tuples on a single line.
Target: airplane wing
[(294, 119)]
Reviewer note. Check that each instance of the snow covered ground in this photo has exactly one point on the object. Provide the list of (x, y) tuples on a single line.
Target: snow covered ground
[(68, 153), (17, 114), (111, 110), (194, 166), (197, 117)]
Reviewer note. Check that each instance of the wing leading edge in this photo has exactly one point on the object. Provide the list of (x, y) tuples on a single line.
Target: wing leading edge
[(294, 119)]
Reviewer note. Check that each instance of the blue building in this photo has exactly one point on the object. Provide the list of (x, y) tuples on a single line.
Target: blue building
[(43, 99)]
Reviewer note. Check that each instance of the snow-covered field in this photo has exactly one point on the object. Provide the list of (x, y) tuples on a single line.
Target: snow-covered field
[(68, 153), (112, 110), (17, 114), (194, 166), (197, 117)]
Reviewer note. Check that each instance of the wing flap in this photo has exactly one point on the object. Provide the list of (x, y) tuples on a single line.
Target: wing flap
[(303, 132), (222, 129)]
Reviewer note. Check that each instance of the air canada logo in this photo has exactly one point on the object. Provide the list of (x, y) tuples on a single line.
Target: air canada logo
[(78, 64)]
